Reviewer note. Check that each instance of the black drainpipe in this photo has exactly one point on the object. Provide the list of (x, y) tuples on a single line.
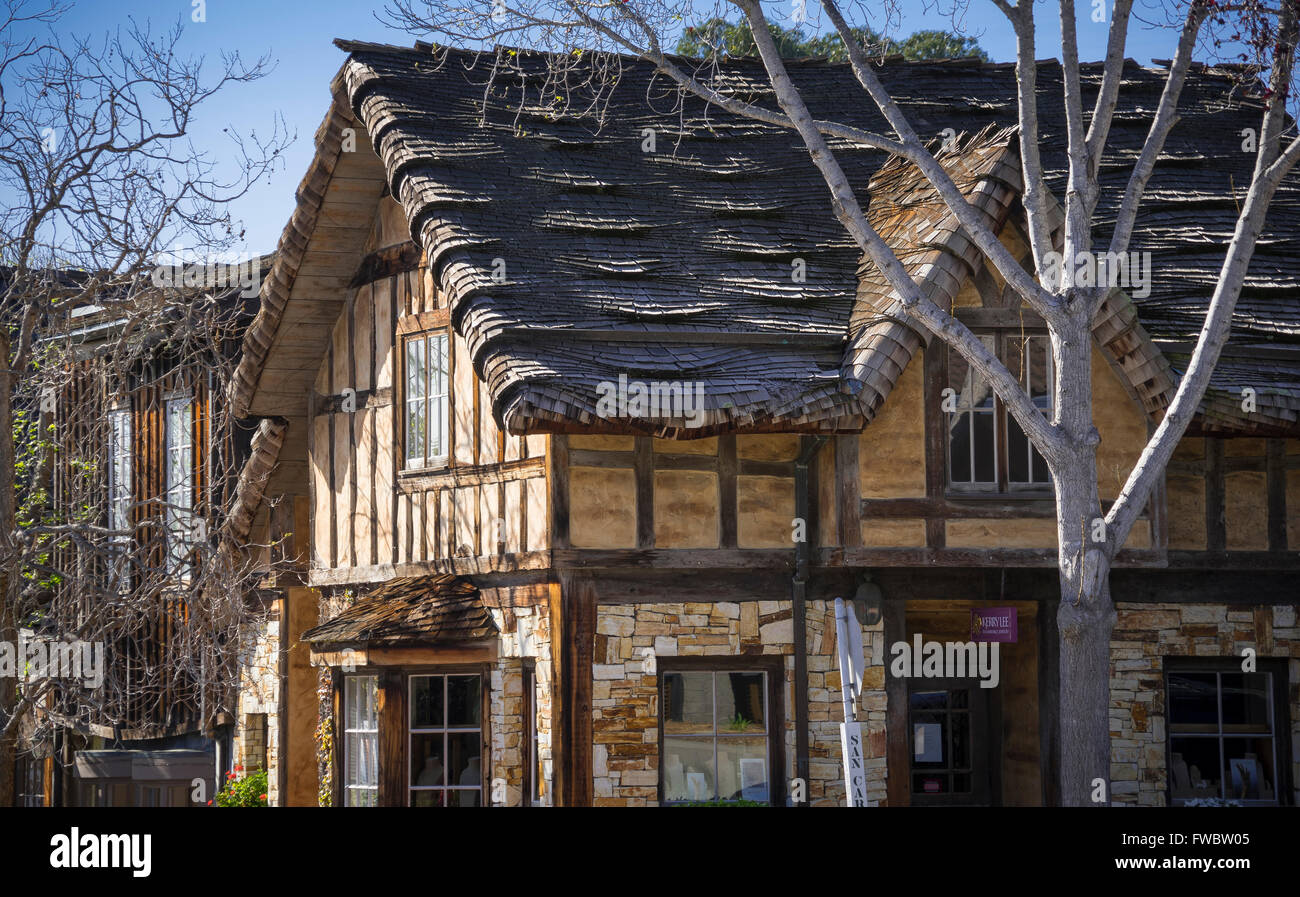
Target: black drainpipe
[(799, 588)]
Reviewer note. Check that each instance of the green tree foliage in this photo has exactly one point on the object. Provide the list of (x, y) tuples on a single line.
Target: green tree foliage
[(718, 37)]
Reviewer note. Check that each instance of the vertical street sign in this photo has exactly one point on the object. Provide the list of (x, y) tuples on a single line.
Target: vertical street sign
[(848, 641)]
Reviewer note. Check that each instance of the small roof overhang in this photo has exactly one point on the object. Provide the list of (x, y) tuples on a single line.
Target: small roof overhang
[(411, 612)]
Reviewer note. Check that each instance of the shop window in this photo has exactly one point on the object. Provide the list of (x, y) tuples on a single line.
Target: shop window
[(446, 740), (987, 449), (425, 399), (361, 741), (717, 736), (1227, 732)]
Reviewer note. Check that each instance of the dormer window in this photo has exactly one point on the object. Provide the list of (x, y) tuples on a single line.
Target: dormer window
[(987, 449)]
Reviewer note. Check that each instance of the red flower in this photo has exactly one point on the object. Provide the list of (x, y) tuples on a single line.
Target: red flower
[(263, 797), (209, 803)]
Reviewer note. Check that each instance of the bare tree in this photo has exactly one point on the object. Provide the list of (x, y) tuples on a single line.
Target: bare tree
[(576, 30), (103, 189)]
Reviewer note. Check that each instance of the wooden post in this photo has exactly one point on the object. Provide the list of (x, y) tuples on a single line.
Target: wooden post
[(1216, 533), (392, 739), (897, 763), (578, 619)]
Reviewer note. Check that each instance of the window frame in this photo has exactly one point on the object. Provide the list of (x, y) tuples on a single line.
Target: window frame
[(427, 338), (393, 692), (1001, 486), (344, 731), (773, 667), (409, 732), (121, 469), (1279, 722), (532, 777), (180, 519)]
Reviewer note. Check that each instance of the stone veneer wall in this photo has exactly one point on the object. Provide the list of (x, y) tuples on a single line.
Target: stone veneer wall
[(630, 639), (525, 635), (1147, 633), (259, 693)]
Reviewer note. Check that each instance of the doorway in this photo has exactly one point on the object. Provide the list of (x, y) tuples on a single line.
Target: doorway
[(952, 744)]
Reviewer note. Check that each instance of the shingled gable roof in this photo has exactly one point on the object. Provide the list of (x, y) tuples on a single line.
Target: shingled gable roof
[(675, 265), (433, 609)]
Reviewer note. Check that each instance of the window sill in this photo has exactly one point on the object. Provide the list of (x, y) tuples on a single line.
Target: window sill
[(439, 465), (1019, 495)]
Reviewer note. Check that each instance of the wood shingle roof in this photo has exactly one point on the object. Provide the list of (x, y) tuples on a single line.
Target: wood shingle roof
[(676, 264)]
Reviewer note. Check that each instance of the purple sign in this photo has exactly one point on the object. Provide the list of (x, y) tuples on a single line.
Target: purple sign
[(993, 624)]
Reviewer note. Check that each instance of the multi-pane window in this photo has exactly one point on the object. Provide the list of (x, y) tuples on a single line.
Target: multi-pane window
[(1225, 741), (180, 482), (942, 757), (716, 736), (361, 741), (425, 398), (446, 740), (987, 449), (119, 472)]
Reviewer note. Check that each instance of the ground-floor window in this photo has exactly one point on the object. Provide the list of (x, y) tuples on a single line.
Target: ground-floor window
[(446, 740), (717, 735), (361, 741), (29, 782), (1227, 731), (433, 749)]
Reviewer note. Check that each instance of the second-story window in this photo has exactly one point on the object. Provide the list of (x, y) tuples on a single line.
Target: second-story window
[(426, 387), (987, 449), (119, 473), (180, 482)]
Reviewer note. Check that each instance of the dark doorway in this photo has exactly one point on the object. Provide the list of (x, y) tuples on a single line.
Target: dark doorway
[(952, 743)]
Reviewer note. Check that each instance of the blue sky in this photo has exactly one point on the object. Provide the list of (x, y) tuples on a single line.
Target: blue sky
[(298, 36)]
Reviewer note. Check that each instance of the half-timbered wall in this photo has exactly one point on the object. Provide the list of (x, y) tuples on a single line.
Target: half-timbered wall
[(370, 516)]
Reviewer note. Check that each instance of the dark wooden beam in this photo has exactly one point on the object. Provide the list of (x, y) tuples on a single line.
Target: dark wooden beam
[(848, 491), (934, 373), (390, 260), (1275, 467), (898, 765), (578, 600), (993, 507), (675, 558), (1216, 530), (971, 557), (999, 318), (393, 771), (727, 512), (557, 482), (1253, 587), (645, 492)]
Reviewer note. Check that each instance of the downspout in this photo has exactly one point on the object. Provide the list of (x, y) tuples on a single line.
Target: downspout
[(799, 589)]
